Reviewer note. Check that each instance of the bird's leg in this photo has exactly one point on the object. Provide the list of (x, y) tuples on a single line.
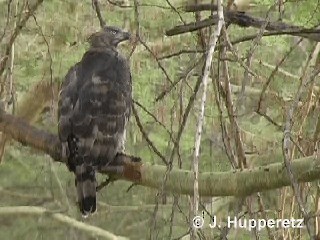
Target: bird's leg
[(117, 165), (122, 166), (72, 152), (111, 178)]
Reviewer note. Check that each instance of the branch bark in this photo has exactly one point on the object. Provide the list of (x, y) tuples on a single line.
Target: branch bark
[(231, 183), (244, 20)]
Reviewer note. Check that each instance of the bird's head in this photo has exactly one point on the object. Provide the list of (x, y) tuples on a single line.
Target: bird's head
[(108, 36)]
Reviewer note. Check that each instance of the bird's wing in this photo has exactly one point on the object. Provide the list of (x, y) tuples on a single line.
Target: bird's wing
[(67, 99), (103, 105)]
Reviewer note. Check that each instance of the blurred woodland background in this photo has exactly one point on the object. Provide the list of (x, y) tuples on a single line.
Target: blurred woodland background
[(260, 89)]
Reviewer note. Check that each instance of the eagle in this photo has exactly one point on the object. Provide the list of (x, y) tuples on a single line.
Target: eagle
[(93, 110)]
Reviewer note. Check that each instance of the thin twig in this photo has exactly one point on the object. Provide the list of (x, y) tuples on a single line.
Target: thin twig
[(169, 89), (270, 120), (50, 58), (153, 116), (275, 70), (137, 23), (218, 91), (97, 9), (288, 146), (238, 59), (175, 10), (185, 118), (212, 44), (15, 34), (309, 99), (280, 70), (277, 33), (7, 20), (145, 136), (235, 129), (10, 90), (176, 54), (253, 47), (156, 58)]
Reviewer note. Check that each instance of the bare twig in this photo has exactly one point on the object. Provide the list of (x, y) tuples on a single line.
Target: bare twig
[(280, 70), (154, 117), (271, 77), (235, 129), (135, 113), (270, 120), (175, 10), (238, 59), (174, 84), (218, 94), (288, 146), (176, 54), (7, 19), (246, 77), (185, 118), (137, 22), (96, 6), (212, 44), (10, 93), (156, 58), (50, 58), (313, 58), (145, 136), (15, 34), (243, 20)]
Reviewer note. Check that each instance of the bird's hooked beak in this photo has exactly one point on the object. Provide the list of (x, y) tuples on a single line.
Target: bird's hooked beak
[(126, 36), (121, 36)]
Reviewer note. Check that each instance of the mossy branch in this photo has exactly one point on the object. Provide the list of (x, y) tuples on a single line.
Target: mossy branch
[(29, 109), (231, 183)]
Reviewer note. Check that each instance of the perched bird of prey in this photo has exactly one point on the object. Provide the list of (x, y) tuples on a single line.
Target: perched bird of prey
[(94, 108)]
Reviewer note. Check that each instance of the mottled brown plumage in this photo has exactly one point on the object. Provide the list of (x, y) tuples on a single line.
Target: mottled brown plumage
[(94, 107)]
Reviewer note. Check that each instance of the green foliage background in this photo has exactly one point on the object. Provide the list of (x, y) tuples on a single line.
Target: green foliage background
[(30, 178)]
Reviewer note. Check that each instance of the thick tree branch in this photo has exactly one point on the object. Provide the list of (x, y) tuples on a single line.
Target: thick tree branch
[(28, 109), (244, 20), (232, 183), (26, 134)]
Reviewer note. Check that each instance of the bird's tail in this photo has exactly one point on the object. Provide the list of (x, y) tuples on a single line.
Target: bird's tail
[(86, 189)]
